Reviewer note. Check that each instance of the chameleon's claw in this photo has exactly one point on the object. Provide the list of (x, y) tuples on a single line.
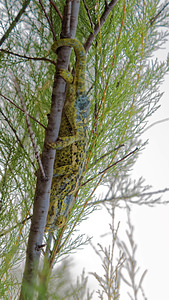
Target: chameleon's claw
[(48, 145), (54, 145)]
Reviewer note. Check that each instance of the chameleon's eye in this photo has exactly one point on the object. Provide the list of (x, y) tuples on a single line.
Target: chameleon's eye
[(60, 222)]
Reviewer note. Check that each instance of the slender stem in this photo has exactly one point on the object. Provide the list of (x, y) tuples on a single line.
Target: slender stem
[(31, 133), (28, 57), (13, 24), (50, 24), (103, 18), (57, 10), (110, 166), (22, 110)]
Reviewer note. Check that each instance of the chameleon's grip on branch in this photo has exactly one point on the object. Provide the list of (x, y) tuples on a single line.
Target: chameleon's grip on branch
[(79, 78), (71, 146)]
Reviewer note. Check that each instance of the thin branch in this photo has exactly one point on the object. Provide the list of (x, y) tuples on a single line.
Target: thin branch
[(156, 192), (5, 36), (123, 197), (103, 18), (3, 232), (50, 14), (106, 3), (22, 110), (101, 157), (57, 10), (13, 129), (28, 57), (88, 13), (50, 24), (31, 133), (155, 123), (17, 137), (152, 20), (112, 165)]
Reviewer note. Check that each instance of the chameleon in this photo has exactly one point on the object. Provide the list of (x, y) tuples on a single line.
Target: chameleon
[(71, 145)]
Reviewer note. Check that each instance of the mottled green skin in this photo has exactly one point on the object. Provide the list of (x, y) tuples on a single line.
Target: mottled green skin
[(71, 145)]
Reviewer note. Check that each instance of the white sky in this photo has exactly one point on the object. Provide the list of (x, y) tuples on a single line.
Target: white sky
[(151, 225)]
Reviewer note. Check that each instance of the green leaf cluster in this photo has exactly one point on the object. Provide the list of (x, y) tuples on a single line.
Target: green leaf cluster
[(122, 83)]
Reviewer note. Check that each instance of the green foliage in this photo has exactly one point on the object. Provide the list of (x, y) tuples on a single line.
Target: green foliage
[(122, 83)]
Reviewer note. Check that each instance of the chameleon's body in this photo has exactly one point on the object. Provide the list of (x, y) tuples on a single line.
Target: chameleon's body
[(71, 145)]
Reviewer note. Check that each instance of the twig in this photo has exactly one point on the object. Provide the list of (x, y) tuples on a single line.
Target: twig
[(101, 157), (5, 36), (106, 3), (99, 25), (57, 10), (88, 13), (112, 165), (31, 133), (3, 232), (50, 14), (22, 110), (17, 137), (13, 129), (152, 20), (28, 57), (132, 152), (155, 123), (123, 197), (50, 24)]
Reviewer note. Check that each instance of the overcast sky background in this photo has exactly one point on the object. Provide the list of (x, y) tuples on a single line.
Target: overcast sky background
[(151, 225)]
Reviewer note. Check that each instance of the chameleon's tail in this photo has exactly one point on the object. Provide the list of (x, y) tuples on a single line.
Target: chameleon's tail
[(79, 79)]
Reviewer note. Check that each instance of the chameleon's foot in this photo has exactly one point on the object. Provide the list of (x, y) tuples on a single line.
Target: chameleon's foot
[(63, 142), (59, 144), (66, 75), (48, 145)]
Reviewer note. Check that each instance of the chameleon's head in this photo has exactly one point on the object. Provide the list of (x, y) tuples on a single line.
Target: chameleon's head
[(61, 221)]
